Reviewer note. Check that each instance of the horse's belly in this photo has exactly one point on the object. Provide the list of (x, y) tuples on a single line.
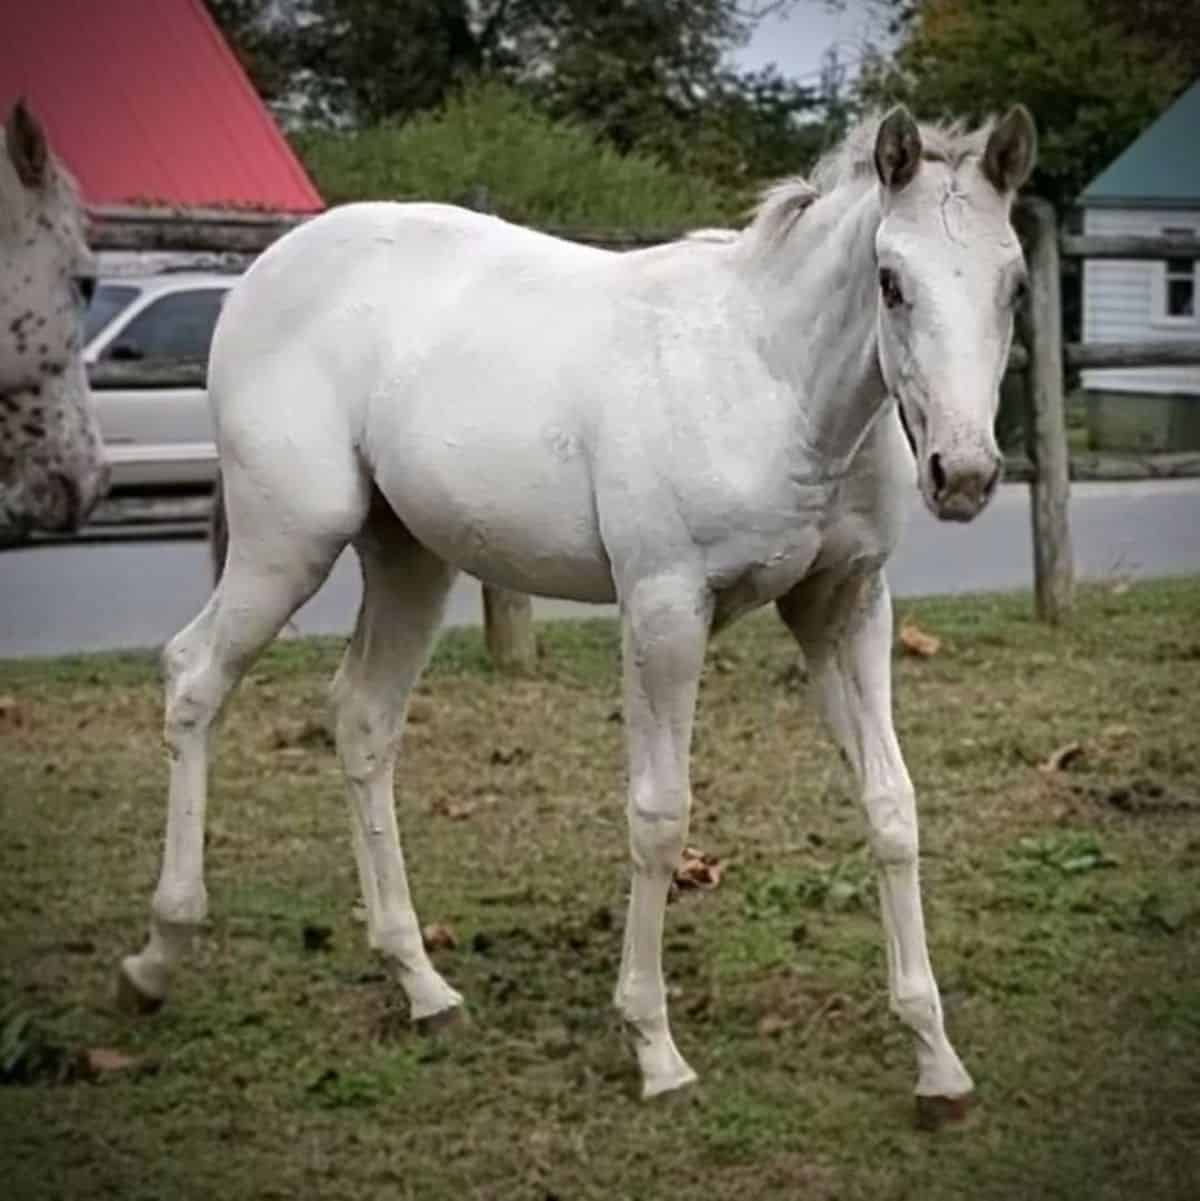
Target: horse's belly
[(523, 521)]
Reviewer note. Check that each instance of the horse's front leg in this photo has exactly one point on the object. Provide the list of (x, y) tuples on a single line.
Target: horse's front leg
[(845, 629), (665, 623)]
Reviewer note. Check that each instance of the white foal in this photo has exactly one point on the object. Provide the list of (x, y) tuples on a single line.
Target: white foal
[(694, 430)]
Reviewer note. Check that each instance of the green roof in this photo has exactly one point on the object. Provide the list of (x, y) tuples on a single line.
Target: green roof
[(1161, 168)]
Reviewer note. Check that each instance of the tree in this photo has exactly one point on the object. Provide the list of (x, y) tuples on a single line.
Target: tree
[(535, 170), (644, 73), (1092, 83)]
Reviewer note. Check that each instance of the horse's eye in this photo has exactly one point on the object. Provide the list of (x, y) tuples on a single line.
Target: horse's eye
[(889, 287), (1020, 293), (85, 286)]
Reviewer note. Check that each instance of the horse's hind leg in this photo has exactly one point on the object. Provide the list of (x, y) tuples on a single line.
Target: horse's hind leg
[(404, 592), (272, 569)]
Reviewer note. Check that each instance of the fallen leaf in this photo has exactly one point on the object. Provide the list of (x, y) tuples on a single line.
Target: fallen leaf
[(503, 756), (309, 734), (456, 811), (1062, 758), (104, 1059), (914, 641), (774, 1023), (11, 713), (438, 938), (696, 870), (419, 710)]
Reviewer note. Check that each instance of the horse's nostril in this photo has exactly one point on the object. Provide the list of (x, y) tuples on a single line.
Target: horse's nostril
[(69, 511), (937, 473)]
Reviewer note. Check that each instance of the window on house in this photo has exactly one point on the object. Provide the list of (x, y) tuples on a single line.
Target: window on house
[(1179, 283)]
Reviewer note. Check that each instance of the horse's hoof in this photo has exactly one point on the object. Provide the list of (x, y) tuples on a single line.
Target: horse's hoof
[(935, 1112), (665, 1089), (444, 1020), (131, 999)]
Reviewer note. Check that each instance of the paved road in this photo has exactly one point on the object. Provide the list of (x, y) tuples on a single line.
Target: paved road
[(59, 599)]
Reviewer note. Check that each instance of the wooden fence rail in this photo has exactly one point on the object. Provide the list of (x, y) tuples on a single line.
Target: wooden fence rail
[(1040, 356)]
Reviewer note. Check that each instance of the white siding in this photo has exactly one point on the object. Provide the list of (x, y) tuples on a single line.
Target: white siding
[(1119, 297)]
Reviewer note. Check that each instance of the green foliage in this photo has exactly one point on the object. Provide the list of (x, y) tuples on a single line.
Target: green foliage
[(1069, 853), (845, 884), (535, 170), (1091, 83), (649, 76)]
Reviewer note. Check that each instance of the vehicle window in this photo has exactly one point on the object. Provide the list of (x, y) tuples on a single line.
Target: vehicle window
[(179, 325), (109, 300)]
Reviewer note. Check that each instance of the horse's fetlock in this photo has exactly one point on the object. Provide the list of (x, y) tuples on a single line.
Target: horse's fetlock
[(180, 906)]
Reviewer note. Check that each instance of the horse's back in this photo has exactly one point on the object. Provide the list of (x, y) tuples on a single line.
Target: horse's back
[(439, 347)]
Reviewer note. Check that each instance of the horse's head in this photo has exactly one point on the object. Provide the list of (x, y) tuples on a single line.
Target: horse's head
[(52, 467), (47, 270), (951, 274)]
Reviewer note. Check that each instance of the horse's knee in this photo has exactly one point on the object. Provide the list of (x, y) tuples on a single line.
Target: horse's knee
[(893, 830), (192, 702), (658, 825), (365, 736), (917, 1007)]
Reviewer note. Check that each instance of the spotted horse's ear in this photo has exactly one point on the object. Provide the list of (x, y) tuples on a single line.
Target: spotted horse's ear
[(897, 149), (25, 141)]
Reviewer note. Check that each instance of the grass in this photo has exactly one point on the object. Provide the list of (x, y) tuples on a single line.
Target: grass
[(1064, 915)]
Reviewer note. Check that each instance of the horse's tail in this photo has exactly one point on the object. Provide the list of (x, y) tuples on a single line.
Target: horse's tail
[(218, 530)]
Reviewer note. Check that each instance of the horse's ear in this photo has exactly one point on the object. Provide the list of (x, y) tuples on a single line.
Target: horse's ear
[(1011, 150), (897, 148), (26, 144)]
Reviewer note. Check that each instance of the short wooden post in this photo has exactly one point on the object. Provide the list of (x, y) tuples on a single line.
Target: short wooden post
[(1046, 429), (507, 616), (508, 629)]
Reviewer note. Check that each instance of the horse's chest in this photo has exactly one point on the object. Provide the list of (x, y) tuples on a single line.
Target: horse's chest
[(768, 557)]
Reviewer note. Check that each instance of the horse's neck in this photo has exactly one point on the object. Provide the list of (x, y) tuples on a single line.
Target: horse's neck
[(824, 325)]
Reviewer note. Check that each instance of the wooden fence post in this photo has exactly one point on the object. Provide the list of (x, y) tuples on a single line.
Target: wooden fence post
[(1046, 430), (507, 616)]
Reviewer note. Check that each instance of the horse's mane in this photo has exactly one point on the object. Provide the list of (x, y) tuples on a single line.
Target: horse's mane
[(849, 167)]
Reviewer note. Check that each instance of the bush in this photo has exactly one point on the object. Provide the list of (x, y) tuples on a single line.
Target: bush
[(537, 171)]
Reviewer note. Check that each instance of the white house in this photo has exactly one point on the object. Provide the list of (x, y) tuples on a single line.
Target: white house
[(1151, 189)]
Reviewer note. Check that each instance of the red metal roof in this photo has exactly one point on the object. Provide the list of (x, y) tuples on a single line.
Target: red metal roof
[(146, 103)]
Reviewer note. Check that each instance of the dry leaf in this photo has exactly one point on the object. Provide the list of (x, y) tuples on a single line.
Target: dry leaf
[(696, 870), (439, 938), (104, 1059), (774, 1023), (456, 811), (419, 710), (305, 735), (1062, 758), (914, 641), (11, 713)]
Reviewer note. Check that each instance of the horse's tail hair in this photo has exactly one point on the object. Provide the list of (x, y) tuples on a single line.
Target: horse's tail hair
[(218, 531)]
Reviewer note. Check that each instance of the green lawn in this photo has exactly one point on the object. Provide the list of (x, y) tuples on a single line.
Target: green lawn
[(1064, 914)]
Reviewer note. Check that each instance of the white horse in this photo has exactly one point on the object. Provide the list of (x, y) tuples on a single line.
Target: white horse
[(52, 465), (693, 431)]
